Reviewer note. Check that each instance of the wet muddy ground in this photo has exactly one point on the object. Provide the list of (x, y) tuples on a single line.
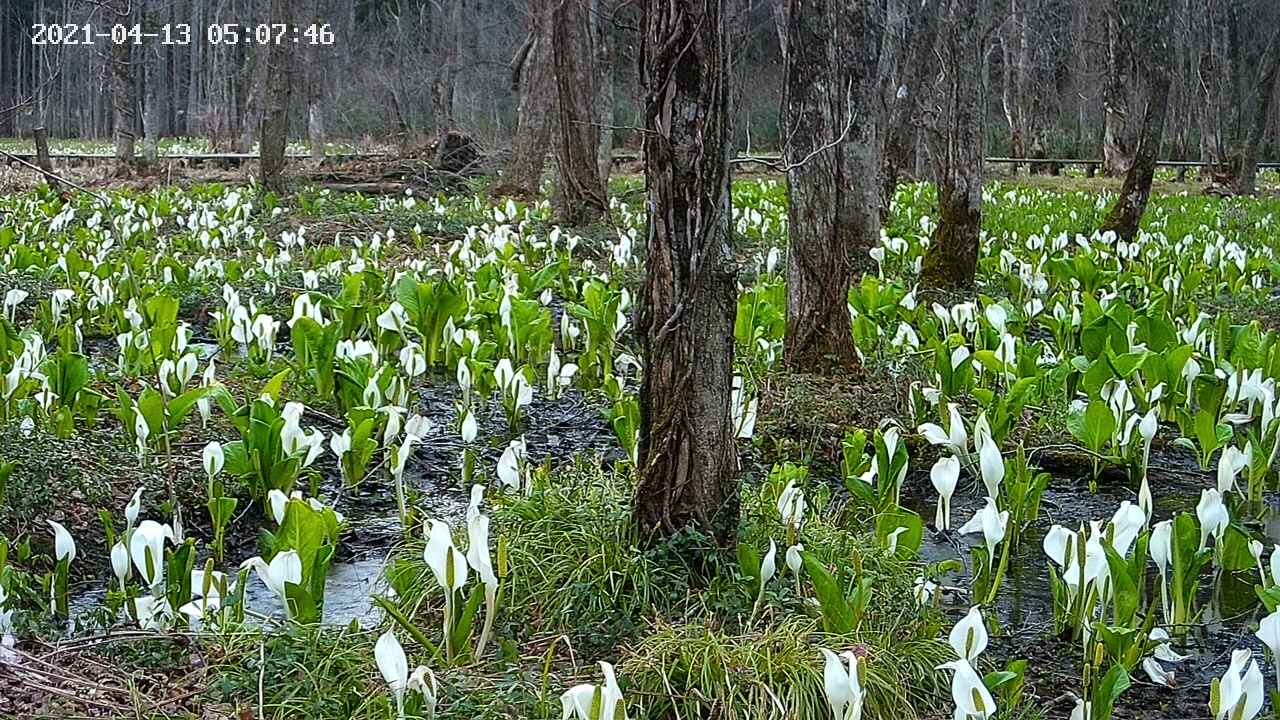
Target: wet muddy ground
[(574, 425)]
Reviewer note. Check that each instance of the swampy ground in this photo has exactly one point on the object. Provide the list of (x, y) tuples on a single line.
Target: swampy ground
[(678, 620)]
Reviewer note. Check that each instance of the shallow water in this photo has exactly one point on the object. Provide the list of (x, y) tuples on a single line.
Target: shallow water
[(557, 429)]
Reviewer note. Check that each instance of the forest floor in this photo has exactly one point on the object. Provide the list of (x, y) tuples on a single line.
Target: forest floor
[(688, 640)]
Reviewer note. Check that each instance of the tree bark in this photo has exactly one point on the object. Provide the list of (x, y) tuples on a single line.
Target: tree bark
[(41, 137), (446, 86), (1268, 71), (1117, 143), (275, 101), (687, 455), (123, 99), (580, 196), (536, 79), (919, 64), (153, 77), (1126, 214), (832, 114), (952, 258), (316, 71), (602, 32)]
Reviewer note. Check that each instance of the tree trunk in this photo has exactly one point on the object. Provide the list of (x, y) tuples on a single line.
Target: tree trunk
[(123, 100), (317, 54), (275, 103), (832, 113), (687, 454), (41, 138), (1126, 214), (446, 86), (1117, 150), (919, 64), (152, 63), (533, 74), (952, 258), (581, 196), (602, 31), (1268, 71)]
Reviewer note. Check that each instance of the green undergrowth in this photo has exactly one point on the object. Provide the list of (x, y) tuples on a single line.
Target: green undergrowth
[(582, 587)]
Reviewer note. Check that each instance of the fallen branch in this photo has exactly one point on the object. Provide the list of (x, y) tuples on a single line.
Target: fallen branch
[(60, 178)]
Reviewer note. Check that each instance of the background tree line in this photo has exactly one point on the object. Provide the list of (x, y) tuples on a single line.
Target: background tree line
[(1061, 76)]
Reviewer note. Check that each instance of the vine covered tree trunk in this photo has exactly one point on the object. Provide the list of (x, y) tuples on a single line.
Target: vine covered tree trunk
[(532, 73), (1126, 214), (687, 455), (123, 98), (580, 195), (275, 103), (952, 258), (831, 114)]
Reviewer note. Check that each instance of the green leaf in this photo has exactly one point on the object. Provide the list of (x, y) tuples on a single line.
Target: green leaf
[(897, 517), (304, 608), (837, 614), (1112, 686)]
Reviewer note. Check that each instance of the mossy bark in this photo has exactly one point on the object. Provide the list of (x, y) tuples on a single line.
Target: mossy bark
[(958, 141)]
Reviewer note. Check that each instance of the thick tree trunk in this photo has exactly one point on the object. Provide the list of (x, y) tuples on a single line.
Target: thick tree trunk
[(534, 75), (952, 258), (153, 77), (123, 99), (1126, 214), (1268, 72), (581, 196), (687, 454), (1117, 144), (918, 65), (275, 101), (832, 112)]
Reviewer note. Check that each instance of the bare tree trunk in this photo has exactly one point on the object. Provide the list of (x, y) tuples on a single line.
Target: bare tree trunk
[(780, 24), (952, 258), (687, 454), (581, 196), (1268, 71), (602, 22), (1151, 21), (151, 113), (123, 100), (533, 73), (1117, 150), (41, 137), (918, 65), (275, 101), (832, 113), (316, 71), (446, 86)]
